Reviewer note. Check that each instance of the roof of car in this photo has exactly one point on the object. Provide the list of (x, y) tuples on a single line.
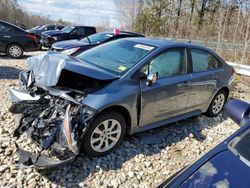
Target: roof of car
[(123, 33), (12, 24), (81, 26), (163, 42)]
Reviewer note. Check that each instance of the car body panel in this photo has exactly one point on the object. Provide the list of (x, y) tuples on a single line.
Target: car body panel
[(161, 100), (220, 170)]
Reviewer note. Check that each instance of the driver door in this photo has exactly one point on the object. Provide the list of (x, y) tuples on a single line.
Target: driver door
[(168, 96)]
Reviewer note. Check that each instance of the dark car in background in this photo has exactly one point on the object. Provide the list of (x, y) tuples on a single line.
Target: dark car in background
[(228, 164), (75, 47), (48, 27), (14, 40), (67, 33), (117, 88)]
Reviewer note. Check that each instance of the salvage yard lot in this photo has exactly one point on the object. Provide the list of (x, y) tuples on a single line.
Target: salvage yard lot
[(144, 159)]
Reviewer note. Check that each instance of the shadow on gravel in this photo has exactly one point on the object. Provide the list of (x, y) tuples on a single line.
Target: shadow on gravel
[(7, 72), (146, 143), (9, 58)]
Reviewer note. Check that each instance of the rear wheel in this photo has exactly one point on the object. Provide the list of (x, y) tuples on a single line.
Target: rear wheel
[(104, 135), (14, 51), (217, 104)]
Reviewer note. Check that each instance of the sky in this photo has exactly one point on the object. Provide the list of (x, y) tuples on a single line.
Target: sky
[(88, 12)]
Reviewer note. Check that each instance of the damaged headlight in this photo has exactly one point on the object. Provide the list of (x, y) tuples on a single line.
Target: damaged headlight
[(75, 122)]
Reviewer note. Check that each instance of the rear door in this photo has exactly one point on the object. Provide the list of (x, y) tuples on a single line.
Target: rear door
[(169, 95), (6, 35), (206, 72)]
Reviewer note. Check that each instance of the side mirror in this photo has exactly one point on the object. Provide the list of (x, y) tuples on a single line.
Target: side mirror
[(151, 79), (237, 110)]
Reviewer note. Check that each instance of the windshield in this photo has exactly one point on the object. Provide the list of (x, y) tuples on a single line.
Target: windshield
[(242, 146), (117, 56), (68, 29), (97, 38)]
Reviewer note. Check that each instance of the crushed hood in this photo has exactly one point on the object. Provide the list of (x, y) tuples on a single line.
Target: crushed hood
[(48, 69)]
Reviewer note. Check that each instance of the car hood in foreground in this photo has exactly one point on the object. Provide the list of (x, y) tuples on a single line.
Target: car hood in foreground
[(52, 68), (223, 170), (69, 44)]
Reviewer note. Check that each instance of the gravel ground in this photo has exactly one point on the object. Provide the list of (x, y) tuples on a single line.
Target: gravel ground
[(144, 159)]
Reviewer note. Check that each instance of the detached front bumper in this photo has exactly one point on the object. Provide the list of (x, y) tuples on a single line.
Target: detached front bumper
[(39, 161)]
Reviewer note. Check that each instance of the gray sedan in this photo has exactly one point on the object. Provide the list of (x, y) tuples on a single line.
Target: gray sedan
[(89, 102)]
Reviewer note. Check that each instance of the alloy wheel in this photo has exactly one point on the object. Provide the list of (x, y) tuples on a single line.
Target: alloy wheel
[(105, 135), (218, 103)]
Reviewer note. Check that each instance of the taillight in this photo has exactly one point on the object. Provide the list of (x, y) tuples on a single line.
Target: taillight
[(32, 37)]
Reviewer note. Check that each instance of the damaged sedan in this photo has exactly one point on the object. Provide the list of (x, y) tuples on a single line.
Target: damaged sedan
[(88, 103)]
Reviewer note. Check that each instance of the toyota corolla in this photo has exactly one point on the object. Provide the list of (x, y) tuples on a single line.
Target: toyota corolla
[(88, 103)]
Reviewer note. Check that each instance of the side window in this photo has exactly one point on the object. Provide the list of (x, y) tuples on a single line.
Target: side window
[(81, 31), (170, 63), (74, 32), (50, 28), (203, 61), (5, 28), (90, 30)]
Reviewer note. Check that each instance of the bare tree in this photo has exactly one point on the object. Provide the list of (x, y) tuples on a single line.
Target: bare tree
[(127, 9)]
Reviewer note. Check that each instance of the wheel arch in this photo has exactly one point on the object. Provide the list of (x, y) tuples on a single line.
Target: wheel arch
[(224, 88), (123, 111), (13, 43)]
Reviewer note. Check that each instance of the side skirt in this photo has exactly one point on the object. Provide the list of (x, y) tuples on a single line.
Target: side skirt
[(167, 121)]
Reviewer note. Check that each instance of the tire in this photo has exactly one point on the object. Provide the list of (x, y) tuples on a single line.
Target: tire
[(94, 142), (14, 51), (217, 104)]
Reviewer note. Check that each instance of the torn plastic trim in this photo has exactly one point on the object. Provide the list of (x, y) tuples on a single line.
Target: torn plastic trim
[(40, 161), (17, 96), (67, 130)]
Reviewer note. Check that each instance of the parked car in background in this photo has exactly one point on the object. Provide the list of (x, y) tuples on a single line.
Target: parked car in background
[(14, 40), (75, 47), (228, 164), (67, 33), (48, 27), (88, 103)]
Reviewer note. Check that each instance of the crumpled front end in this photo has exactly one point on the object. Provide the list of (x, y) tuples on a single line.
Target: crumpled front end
[(53, 119), (54, 124)]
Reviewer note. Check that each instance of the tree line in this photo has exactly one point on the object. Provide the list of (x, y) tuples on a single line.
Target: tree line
[(220, 21), (11, 11)]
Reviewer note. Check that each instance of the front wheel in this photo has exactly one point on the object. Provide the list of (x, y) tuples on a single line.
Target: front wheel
[(217, 104), (104, 135)]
